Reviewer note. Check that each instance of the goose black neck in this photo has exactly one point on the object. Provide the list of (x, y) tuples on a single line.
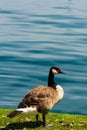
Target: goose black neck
[(51, 82)]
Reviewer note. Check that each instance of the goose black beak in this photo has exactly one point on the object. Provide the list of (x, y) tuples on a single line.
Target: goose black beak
[(62, 72)]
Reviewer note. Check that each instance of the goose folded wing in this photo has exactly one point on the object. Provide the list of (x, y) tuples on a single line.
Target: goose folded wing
[(43, 97)]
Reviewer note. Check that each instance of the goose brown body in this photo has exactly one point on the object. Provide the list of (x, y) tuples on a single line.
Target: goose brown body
[(42, 97)]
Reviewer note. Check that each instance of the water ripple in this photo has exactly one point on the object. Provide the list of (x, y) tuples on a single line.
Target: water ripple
[(34, 38)]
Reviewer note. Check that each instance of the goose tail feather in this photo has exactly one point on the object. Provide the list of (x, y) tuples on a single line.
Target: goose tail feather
[(14, 113), (30, 110)]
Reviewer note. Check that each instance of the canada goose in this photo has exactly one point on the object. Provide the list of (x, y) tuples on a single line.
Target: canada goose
[(42, 98)]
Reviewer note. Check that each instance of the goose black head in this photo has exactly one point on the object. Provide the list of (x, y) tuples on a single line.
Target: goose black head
[(56, 70)]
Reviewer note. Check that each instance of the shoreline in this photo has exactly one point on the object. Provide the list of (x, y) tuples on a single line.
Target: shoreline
[(61, 121)]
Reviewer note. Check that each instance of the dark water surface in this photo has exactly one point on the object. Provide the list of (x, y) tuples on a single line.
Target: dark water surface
[(35, 35)]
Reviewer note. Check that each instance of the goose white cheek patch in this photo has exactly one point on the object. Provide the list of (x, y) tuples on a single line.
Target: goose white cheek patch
[(54, 71)]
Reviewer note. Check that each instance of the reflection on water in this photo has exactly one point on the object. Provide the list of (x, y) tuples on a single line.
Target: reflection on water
[(37, 35)]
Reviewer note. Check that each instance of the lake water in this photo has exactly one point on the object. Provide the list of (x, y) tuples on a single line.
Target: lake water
[(38, 34)]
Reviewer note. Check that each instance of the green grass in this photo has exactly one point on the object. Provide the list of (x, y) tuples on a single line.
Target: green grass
[(56, 122)]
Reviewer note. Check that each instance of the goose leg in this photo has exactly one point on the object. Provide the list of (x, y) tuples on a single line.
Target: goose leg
[(44, 120), (37, 119)]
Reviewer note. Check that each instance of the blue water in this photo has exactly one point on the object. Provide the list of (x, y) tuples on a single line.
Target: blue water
[(35, 35)]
